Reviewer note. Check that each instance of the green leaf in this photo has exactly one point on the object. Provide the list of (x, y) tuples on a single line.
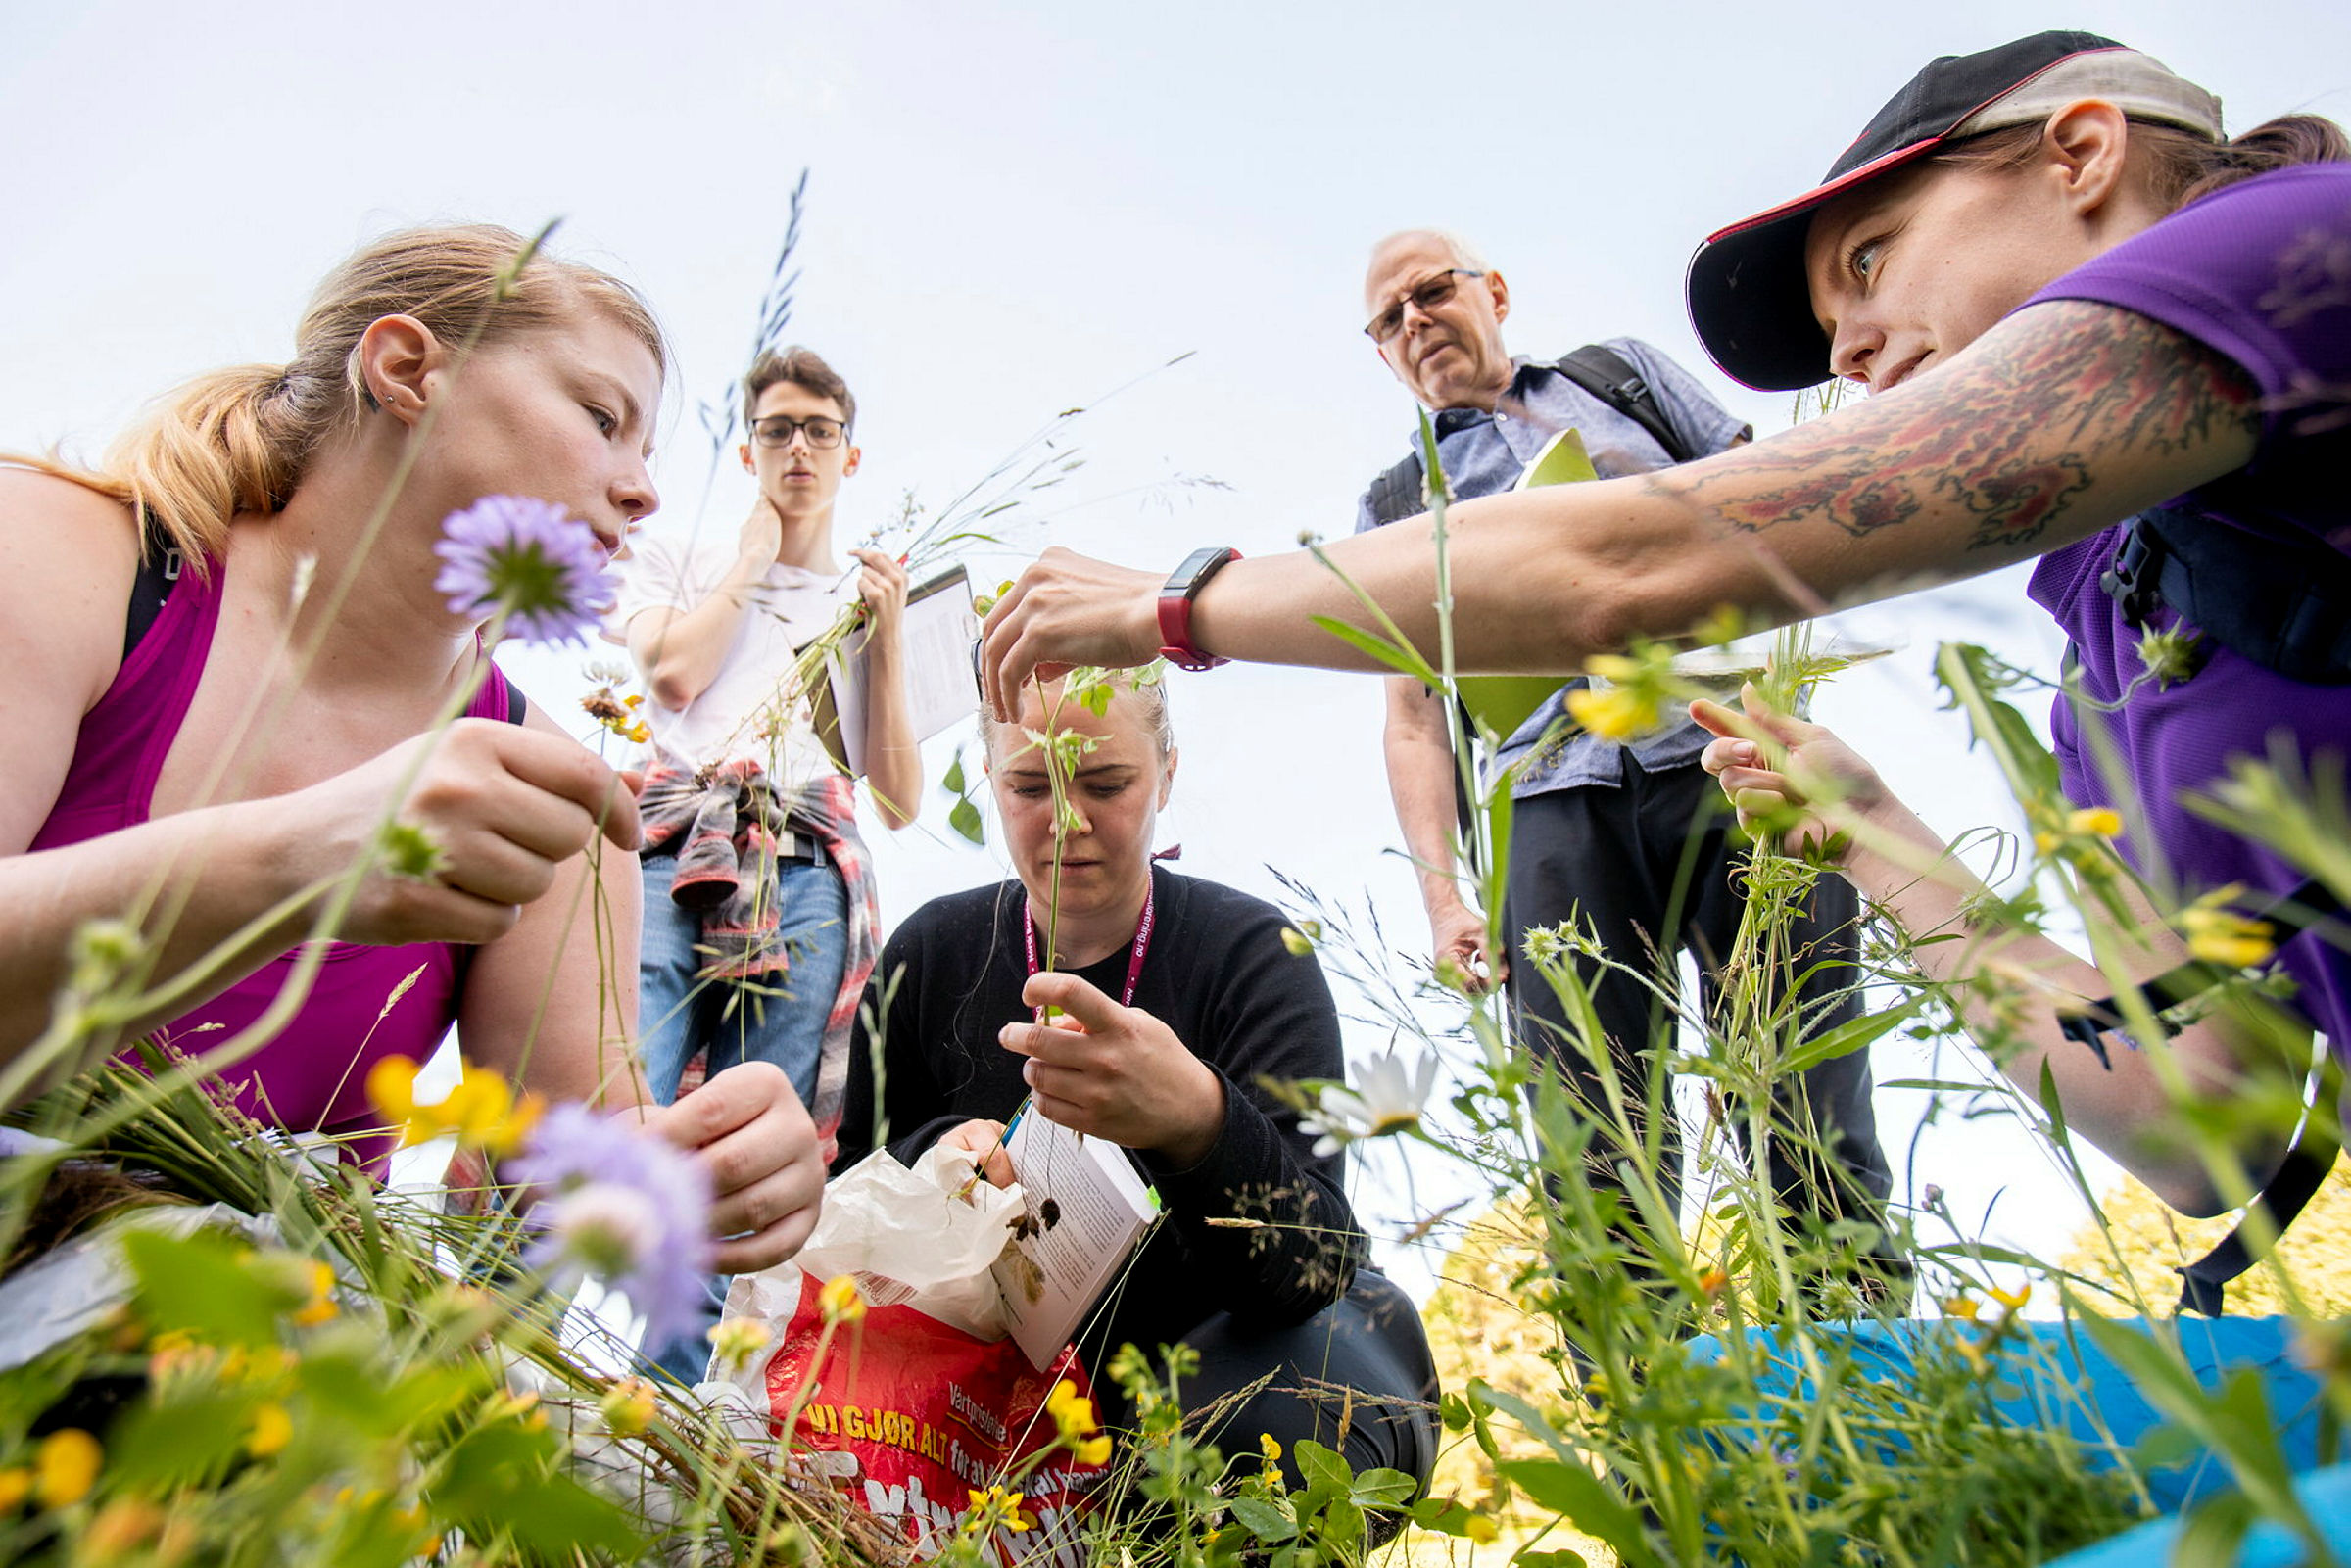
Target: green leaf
[(1447, 1516), (1403, 660), (1584, 1500), (964, 818), (953, 782), (1322, 1466), (189, 1440), (203, 1283), (2213, 1530), (1847, 1038), (1560, 1558), (1263, 1520), (1342, 1530), (1382, 1488)]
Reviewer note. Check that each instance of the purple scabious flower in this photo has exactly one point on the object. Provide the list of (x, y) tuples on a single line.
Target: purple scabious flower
[(529, 561), (623, 1205)]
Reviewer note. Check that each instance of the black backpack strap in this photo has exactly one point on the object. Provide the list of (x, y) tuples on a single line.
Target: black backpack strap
[(2203, 1284), (2284, 606), (160, 565), (1609, 376), (1397, 492), (518, 707)]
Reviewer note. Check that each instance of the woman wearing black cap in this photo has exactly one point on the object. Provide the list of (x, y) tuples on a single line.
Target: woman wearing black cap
[(2139, 336), (2139, 340)]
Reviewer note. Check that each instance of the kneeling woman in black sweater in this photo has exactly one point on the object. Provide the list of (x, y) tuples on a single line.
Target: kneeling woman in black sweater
[(1176, 996)]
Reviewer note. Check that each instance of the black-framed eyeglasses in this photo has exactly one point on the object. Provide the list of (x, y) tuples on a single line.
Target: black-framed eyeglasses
[(1426, 295), (777, 430)]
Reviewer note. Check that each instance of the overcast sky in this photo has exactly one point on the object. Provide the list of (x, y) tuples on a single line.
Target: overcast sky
[(1011, 211)]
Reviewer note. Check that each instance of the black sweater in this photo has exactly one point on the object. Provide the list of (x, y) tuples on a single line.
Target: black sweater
[(1217, 974)]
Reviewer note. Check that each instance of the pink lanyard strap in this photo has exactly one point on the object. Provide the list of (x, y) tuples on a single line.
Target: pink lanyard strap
[(1135, 961)]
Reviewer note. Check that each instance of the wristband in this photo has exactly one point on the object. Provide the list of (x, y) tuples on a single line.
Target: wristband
[(1175, 607)]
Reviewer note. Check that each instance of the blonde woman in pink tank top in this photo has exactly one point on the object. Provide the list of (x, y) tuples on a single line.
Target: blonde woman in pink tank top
[(197, 765)]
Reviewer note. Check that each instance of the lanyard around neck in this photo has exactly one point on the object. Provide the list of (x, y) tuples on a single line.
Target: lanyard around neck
[(1135, 959)]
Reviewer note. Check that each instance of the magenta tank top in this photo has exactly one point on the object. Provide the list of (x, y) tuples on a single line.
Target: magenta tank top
[(313, 1074)]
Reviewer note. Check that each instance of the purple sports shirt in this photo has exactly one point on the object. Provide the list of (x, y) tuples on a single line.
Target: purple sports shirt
[(2261, 272)]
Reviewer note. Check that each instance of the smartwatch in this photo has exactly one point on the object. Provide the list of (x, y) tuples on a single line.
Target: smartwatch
[(1175, 607)]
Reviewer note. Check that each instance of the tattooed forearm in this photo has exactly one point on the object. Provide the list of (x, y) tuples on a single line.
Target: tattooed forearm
[(2065, 408)]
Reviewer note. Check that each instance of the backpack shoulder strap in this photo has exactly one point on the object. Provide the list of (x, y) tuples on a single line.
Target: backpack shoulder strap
[(1398, 492), (159, 566), (2203, 1284), (1609, 376)]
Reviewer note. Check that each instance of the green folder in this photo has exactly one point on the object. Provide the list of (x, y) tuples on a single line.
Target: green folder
[(1504, 702)]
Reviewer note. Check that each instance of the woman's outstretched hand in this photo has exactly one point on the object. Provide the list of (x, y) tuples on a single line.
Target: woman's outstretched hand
[(767, 1171), (1811, 799), (1067, 609), (1116, 1073)]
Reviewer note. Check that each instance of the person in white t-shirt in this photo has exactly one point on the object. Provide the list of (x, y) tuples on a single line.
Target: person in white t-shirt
[(759, 912)]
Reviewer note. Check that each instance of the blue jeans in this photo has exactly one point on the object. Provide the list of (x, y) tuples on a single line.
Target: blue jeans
[(780, 1019)]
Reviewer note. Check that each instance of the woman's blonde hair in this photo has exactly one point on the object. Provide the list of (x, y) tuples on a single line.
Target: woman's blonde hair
[(1148, 695), (239, 440)]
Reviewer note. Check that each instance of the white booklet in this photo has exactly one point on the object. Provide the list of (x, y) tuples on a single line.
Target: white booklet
[(1088, 1210), (937, 637)]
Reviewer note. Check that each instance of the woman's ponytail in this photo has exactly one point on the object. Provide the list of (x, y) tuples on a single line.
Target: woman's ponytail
[(215, 448), (2182, 166)]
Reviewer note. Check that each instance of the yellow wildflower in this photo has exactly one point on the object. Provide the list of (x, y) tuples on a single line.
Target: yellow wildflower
[(273, 1430), (484, 1114), (65, 1467), (392, 1089), (997, 1507), (16, 1485), (1092, 1451), (2102, 821), (1961, 1307), (1618, 713), (839, 1300), (1712, 1283), (321, 1304), (737, 1340), (628, 1406), (2223, 936), (1480, 1528), (1270, 1447), (2013, 1299), (1072, 1411), (481, 1110)]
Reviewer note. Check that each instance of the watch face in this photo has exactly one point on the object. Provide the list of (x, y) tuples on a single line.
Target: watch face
[(1198, 562)]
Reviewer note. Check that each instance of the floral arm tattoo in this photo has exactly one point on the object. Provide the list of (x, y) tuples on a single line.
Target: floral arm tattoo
[(2066, 417)]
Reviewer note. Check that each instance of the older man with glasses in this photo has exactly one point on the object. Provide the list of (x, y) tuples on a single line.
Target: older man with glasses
[(1627, 840), (759, 913)]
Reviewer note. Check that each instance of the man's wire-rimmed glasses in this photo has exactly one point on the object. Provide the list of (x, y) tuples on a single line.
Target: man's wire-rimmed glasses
[(1424, 296)]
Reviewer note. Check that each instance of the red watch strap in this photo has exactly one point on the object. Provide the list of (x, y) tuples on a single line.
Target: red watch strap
[(1175, 615)]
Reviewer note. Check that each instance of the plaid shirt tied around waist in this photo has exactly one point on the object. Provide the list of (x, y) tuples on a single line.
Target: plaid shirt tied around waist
[(729, 828)]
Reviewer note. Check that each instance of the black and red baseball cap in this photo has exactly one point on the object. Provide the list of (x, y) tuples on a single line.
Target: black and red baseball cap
[(1748, 298)]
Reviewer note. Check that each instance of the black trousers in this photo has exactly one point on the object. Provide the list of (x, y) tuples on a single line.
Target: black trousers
[(1357, 1377), (1648, 867)]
